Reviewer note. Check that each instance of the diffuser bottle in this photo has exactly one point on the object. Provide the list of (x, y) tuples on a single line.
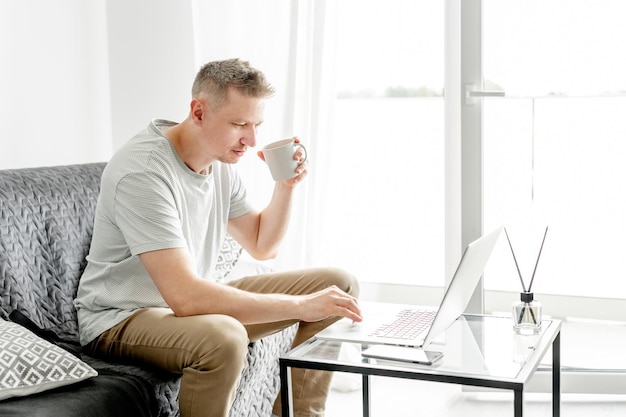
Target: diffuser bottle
[(527, 314)]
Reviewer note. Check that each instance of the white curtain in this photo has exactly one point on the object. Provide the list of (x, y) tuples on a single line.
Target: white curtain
[(311, 100), (292, 42)]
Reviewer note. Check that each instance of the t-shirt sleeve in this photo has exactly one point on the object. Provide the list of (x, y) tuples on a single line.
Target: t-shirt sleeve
[(146, 214)]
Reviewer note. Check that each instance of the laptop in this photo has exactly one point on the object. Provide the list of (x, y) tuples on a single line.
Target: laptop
[(381, 319)]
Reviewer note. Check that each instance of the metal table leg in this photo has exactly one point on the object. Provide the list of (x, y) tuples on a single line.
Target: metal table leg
[(366, 395), (556, 376), (518, 403), (285, 387)]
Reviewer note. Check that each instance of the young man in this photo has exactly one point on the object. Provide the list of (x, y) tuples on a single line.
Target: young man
[(167, 199)]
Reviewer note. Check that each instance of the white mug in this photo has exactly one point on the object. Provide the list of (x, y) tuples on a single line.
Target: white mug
[(279, 158)]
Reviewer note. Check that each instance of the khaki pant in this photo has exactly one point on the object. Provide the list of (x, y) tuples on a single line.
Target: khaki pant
[(210, 350)]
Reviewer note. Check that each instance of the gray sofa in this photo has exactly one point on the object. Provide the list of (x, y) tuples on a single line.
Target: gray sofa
[(46, 218)]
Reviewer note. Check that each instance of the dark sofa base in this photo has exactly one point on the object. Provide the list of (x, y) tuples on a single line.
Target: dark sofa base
[(108, 394), (119, 390)]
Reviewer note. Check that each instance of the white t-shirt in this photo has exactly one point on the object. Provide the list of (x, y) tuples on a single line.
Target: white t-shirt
[(150, 200)]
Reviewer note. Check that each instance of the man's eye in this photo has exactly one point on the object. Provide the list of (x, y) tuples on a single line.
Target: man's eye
[(240, 124)]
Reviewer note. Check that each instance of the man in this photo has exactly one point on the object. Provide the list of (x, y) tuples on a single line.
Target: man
[(168, 198)]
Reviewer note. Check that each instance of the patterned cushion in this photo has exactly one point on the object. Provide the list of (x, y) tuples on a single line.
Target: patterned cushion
[(226, 260), (29, 364)]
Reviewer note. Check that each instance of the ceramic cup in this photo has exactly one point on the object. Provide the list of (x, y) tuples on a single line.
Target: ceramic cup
[(279, 158)]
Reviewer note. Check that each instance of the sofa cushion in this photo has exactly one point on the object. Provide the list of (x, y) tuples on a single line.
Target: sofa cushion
[(29, 364), (227, 258)]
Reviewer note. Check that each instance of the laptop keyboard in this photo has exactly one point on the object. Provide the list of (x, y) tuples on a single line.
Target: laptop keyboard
[(409, 324)]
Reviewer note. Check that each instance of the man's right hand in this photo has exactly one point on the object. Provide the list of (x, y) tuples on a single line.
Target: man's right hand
[(329, 302)]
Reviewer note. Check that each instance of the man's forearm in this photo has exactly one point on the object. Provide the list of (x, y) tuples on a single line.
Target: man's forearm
[(274, 220)]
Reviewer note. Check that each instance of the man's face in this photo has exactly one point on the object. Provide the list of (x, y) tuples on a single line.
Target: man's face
[(231, 129)]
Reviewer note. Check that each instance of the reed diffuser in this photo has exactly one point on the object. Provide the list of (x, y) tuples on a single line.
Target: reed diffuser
[(527, 311)]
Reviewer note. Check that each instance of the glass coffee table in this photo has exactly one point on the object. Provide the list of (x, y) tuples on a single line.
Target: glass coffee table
[(478, 350)]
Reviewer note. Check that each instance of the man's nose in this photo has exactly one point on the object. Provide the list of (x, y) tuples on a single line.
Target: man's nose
[(249, 138)]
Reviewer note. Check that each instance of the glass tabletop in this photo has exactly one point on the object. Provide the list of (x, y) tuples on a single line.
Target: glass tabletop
[(475, 346)]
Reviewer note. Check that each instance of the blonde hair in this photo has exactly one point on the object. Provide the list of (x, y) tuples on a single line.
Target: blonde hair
[(216, 77)]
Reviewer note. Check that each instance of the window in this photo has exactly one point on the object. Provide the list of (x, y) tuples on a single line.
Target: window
[(554, 147), (384, 217), (552, 152)]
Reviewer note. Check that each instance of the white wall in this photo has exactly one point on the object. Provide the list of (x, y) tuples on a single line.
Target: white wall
[(151, 56), (79, 78), (54, 89)]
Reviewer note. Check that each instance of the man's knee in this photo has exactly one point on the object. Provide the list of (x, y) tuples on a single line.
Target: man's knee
[(224, 342), (345, 281)]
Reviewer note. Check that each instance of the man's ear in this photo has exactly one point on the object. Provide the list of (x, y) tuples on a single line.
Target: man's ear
[(197, 110)]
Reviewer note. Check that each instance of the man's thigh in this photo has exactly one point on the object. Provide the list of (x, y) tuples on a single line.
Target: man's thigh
[(296, 282), (155, 336)]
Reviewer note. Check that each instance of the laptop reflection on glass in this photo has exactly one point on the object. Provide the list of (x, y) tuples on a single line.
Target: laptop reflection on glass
[(399, 325)]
